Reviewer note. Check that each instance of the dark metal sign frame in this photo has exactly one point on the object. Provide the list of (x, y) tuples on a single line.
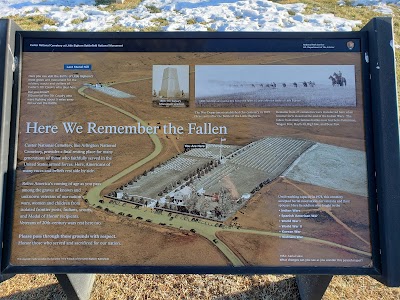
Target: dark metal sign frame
[(381, 128)]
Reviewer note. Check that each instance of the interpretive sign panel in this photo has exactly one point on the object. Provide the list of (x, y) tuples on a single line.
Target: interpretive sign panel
[(187, 152)]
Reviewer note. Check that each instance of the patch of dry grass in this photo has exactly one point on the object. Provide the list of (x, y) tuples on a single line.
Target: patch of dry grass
[(38, 286), (218, 287), (110, 5), (34, 23)]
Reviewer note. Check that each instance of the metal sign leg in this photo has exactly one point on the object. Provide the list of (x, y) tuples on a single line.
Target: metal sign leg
[(4, 277), (312, 287), (76, 286)]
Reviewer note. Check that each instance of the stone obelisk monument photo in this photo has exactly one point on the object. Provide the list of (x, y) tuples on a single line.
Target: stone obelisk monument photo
[(170, 83)]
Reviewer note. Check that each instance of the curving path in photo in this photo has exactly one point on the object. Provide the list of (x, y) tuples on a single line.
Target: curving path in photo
[(94, 194)]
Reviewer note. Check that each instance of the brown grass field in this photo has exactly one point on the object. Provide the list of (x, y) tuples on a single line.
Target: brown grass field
[(196, 287)]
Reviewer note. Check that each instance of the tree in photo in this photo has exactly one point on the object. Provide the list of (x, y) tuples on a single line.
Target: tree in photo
[(225, 201), (203, 206), (191, 201)]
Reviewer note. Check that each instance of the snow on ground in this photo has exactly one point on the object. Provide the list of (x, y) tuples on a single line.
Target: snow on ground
[(378, 6), (374, 2), (184, 15)]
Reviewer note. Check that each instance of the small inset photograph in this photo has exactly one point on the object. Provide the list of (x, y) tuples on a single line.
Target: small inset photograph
[(170, 86), (275, 85)]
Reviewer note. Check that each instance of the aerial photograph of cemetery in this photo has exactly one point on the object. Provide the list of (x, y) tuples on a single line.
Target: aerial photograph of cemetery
[(225, 180), (215, 181)]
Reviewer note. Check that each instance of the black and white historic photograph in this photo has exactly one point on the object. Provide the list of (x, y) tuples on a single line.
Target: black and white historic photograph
[(170, 85), (275, 85)]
